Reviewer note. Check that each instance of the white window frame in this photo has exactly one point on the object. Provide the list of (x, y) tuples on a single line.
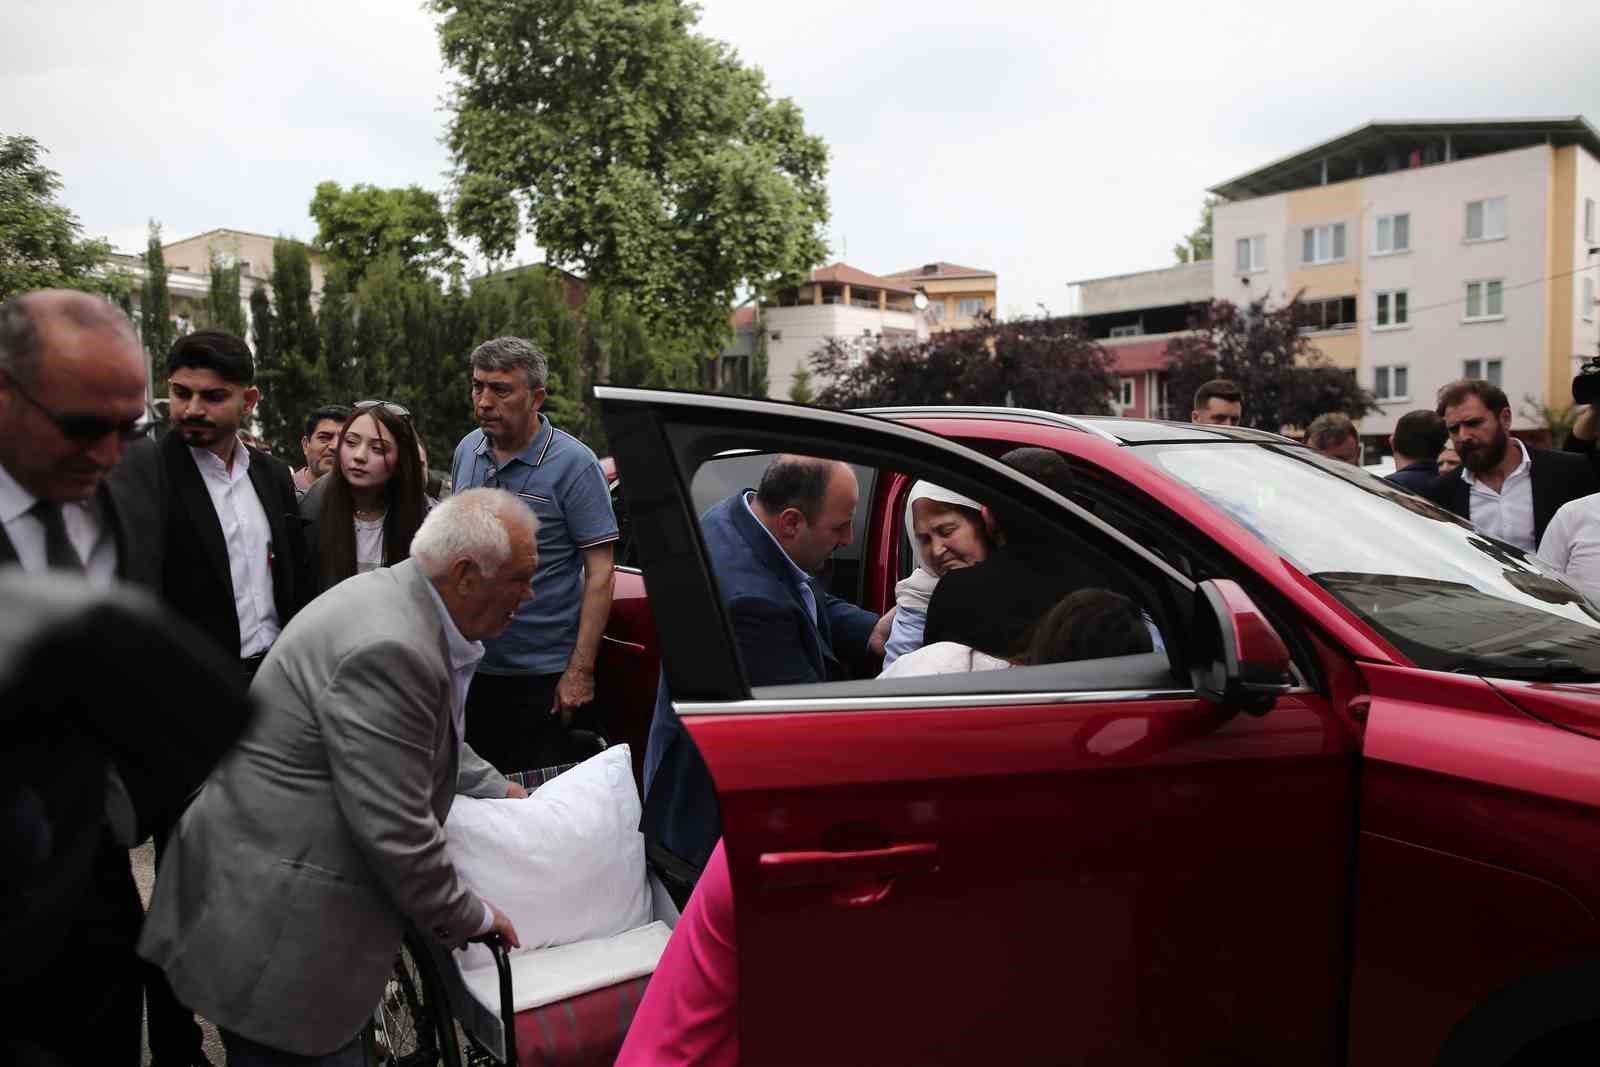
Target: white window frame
[(1483, 369), (1384, 378), (1132, 330), (1484, 314), (1317, 233), (1483, 220), (1125, 393), (1586, 299), (1588, 220), (962, 302), (1383, 297), (1377, 234), (1255, 258)]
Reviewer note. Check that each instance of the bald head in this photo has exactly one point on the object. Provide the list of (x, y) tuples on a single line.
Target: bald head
[(808, 505), (68, 362)]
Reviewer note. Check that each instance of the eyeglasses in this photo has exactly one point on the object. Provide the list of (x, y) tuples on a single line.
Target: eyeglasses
[(87, 429), (388, 405)]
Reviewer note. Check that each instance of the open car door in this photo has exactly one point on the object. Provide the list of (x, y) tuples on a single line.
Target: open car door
[(1140, 859)]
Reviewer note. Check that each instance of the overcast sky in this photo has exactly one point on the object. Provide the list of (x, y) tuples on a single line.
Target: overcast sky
[(1047, 141)]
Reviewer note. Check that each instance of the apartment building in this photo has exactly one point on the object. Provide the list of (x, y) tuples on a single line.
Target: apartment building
[(956, 295), (1427, 252), (837, 302), (1134, 316)]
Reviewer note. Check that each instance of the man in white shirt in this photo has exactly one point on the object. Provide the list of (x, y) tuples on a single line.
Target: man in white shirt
[(1503, 487), (72, 395), (1572, 544)]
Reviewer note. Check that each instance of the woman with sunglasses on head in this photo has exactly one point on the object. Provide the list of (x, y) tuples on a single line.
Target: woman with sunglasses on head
[(373, 502)]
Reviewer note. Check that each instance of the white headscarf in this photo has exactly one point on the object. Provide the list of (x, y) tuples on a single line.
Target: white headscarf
[(930, 491)]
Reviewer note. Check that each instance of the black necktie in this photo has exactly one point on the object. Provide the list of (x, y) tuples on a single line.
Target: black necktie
[(58, 550)]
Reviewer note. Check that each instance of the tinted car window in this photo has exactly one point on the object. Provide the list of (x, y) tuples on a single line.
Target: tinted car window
[(1447, 596)]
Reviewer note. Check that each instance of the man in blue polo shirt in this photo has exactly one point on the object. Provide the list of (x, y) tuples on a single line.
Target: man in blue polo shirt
[(541, 669)]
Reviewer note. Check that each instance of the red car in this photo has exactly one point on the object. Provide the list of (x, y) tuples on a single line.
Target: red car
[(1349, 816)]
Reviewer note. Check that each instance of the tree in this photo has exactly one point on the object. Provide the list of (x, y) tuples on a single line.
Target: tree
[(292, 376), (800, 390), (1286, 381), (155, 303), (41, 242), (760, 360), (359, 225), (1034, 363), (636, 149), (263, 330), (223, 307), (1198, 245)]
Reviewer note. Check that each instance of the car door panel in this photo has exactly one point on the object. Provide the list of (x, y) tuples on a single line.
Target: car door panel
[(1122, 904)]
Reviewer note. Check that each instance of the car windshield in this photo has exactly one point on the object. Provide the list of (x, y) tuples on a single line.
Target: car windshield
[(1450, 598)]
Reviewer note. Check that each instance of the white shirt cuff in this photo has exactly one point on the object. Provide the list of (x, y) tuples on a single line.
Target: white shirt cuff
[(488, 918)]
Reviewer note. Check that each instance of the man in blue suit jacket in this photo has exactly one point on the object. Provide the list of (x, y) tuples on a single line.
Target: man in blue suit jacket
[(766, 547)]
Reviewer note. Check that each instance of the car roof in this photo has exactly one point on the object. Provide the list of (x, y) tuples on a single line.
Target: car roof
[(1122, 431)]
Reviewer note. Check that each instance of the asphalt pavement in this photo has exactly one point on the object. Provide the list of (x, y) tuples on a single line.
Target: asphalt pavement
[(144, 873)]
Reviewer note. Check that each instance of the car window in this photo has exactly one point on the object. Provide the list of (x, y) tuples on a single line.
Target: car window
[(1450, 598)]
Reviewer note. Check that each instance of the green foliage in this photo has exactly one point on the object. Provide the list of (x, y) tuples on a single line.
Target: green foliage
[(1049, 364), (292, 377), (223, 308), (637, 149), (364, 223), (155, 303), (263, 329), (41, 242), (800, 390), (1198, 245), (1286, 381), (760, 361), (1558, 419)]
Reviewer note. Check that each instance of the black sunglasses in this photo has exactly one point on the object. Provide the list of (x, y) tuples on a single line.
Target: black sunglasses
[(87, 429), (388, 405)]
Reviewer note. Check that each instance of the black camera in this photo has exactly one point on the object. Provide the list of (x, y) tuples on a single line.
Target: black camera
[(1586, 386)]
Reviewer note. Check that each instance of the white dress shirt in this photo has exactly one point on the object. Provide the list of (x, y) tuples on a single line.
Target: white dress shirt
[(248, 538), (800, 577), (87, 529), (464, 657), (1572, 544), (1507, 514)]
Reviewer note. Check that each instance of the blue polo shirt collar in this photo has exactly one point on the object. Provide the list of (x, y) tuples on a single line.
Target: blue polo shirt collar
[(533, 454)]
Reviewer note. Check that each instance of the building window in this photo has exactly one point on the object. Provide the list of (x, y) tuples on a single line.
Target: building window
[(1252, 254), (1134, 330), (1391, 310), (1322, 244), (1391, 382), (1334, 313), (1484, 299), (1486, 219), (968, 307), (1125, 392), (1394, 234), (1482, 368), (1586, 304), (1588, 220)]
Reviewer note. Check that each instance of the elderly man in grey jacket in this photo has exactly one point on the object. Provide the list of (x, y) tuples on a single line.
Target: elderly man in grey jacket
[(282, 900)]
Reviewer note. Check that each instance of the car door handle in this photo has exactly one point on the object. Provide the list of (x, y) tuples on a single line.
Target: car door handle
[(823, 868)]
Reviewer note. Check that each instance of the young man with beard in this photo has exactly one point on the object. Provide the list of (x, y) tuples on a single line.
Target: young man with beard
[(1503, 487), (230, 551)]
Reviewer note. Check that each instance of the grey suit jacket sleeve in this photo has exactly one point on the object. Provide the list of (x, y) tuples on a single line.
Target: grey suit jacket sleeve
[(379, 717), (478, 778)]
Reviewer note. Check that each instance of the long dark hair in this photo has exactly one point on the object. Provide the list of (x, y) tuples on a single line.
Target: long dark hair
[(1089, 624), (404, 502)]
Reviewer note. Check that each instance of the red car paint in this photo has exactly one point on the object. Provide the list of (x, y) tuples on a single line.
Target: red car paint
[(1355, 876)]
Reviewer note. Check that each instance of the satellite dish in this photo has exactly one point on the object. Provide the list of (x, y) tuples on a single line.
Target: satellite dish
[(920, 301)]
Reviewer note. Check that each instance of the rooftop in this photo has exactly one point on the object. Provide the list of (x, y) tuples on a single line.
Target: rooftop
[(844, 274), (1380, 147), (941, 272)]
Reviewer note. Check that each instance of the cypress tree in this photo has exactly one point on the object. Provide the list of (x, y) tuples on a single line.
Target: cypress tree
[(155, 305)]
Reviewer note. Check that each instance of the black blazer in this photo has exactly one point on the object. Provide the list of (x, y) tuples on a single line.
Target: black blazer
[(187, 550), (1557, 478), (132, 524), (1415, 477)]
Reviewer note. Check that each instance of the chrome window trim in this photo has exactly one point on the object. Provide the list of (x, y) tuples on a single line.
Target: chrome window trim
[(933, 701)]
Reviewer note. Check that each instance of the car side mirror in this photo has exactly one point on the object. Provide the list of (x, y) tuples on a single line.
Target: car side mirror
[(1240, 661)]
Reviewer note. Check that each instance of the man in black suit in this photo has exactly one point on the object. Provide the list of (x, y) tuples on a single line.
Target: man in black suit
[(1503, 487), (231, 549), (1418, 438), (78, 788)]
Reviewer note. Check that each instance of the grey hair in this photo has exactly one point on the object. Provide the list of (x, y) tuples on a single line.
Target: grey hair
[(513, 353), (21, 344), (473, 525), (1328, 430)]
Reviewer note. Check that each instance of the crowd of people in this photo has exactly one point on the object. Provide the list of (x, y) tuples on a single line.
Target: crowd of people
[(404, 645)]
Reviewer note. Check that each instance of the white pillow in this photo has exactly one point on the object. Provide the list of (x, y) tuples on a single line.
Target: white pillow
[(566, 864)]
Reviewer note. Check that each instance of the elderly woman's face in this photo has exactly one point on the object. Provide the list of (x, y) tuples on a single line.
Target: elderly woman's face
[(947, 537)]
